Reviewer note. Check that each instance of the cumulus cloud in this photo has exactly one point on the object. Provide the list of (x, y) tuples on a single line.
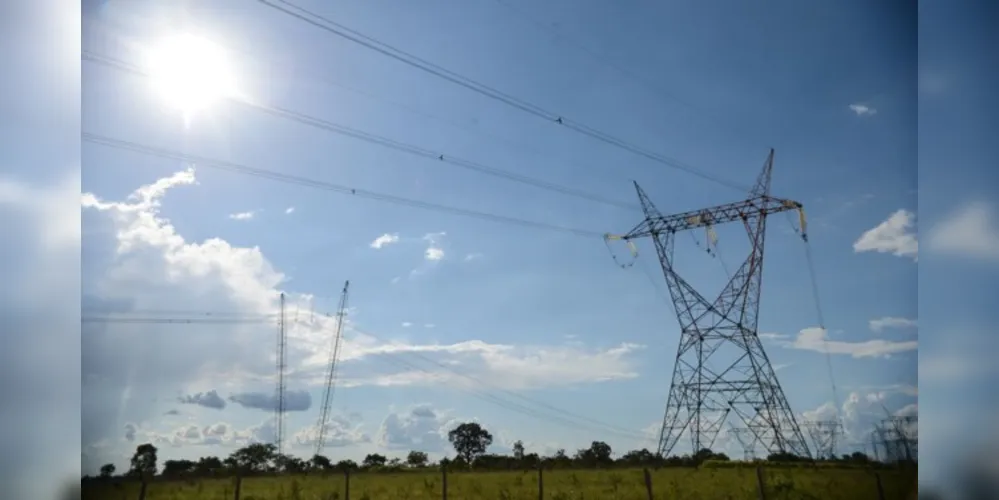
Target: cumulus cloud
[(816, 339), (895, 236), (340, 431), (863, 110), (880, 324), (293, 400), (419, 428), (434, 251), (138, 261), (969, 232), (210, 399), (242, 215), (385, 239)]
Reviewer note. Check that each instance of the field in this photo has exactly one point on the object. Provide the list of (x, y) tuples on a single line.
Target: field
[(622, 484)]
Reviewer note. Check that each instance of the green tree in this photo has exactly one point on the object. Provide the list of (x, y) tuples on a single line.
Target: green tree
[(469, 440), (107, 470), (321, 463), (374, 460), (254, 458), (416, 459), (144, 460), (518, 450)]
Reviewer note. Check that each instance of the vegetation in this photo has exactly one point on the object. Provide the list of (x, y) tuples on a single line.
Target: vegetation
[(590, 473)]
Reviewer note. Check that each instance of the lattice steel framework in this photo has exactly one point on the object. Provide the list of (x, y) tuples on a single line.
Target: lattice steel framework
[(282, 360), (747, 440), (324, 411), (707, 389), (824, 434)]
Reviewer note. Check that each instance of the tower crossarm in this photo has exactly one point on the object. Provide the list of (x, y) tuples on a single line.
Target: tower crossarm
[(759, 206)]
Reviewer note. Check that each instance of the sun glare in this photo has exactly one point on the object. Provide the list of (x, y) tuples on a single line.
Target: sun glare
[(190, 73)]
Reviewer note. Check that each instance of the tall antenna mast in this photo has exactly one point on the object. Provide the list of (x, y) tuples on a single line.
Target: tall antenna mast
[(331, 374), (739, 381), (279, 396)]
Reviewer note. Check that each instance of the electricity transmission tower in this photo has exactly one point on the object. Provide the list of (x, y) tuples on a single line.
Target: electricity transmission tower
[(824, 434), (721, 368), (897, 436), (331, 374), (746, 439), (279, 392)]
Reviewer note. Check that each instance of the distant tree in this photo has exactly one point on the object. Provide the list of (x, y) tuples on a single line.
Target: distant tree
[(144, 460), (518, 450), (598, 453), (174, 468), (290, 464), (638, 457), (107, 470), (374, 460), (346, 465), (256, 457), (320, 462), (208, 465), (416, 458), (470, 440)]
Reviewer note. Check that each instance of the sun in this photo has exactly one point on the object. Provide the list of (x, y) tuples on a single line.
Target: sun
[(190, 73)]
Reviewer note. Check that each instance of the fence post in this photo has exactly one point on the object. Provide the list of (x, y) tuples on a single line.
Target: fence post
[(346, 483), (648, 481), (759, 482), (541, 482), (444, 482), (142, 488), (239, 484), (881, 490)]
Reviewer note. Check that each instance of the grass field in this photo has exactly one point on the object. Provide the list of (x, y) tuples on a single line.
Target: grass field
[(624, 484)]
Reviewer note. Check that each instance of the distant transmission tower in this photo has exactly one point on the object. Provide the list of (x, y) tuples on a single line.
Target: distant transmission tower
[(331, 374), (279, 393), (824, 434), (721, 367), (746, 439), (898, 438)]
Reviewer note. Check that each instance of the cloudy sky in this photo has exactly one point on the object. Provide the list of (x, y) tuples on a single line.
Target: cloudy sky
[(533, 331)]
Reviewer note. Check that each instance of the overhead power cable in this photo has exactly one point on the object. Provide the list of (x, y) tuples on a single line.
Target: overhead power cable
[(609, 427), (342, 31), (345, 130), (326, 186)]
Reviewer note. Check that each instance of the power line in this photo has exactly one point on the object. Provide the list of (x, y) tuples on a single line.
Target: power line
[(568, 418), (433, 69), (345, 130), (327, 186)]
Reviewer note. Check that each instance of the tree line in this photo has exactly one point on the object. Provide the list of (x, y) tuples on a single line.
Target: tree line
[(469, 440)]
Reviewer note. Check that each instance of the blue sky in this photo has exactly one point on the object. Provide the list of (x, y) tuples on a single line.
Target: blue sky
[(535, 312), (582, 334)]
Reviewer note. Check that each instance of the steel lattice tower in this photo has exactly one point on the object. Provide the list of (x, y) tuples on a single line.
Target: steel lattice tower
[(279, 390), (824, 434), (708, 385), (324, 410)]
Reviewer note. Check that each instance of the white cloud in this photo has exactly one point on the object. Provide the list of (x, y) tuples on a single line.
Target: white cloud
[(242, 215), (420, 428), (815, 339), (434, 251), (969, 232), (863, 110), (143, 263), (289, 210), (339, 431), (406, 324), (893, 236), (385, 239), (879, 324)]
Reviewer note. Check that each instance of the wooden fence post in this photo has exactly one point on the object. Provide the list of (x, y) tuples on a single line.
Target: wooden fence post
[(648, 481), (760, 483), (444, 482), (346, 483), (541, 482), (881, 489), (142, 488), (239, 484)]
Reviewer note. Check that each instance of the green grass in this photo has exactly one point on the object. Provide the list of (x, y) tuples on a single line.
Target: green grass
[(620, 484)]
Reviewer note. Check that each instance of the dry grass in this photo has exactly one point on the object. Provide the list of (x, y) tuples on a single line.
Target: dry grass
[(623, 484)]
